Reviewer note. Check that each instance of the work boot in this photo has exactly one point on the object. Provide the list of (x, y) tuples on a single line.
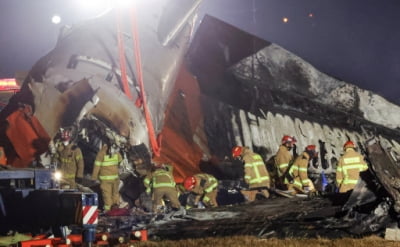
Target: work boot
[(201, 205), (178, 213)]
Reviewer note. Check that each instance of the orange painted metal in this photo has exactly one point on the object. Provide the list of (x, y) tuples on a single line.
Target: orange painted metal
[(102, 238), (41, 236), (3, 157), (27, 136), (43, 242), (75, 239), (183, 118), (139, 235)]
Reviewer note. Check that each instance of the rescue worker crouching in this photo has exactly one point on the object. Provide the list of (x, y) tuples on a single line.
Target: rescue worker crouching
[(205, 187), (301, 182), (160, 184), (256, 175), (70, 161), (350, 164), (283, 159), (106, 170)]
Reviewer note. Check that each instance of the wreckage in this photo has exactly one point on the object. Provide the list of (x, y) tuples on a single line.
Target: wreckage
[(133, 84)]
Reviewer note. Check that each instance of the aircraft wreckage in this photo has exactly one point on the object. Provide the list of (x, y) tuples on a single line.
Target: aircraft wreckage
[(107, 80)]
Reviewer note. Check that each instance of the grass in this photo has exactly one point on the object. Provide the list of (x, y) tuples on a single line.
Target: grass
[(239, 241)]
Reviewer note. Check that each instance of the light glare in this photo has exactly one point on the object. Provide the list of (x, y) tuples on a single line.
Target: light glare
[(95, 6), (124, 4), (57, 175), (56, 19), (102, 5)]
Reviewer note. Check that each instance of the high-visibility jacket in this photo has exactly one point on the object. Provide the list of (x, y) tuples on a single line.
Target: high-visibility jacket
[(206, 189), (160, 178), (348, 170), (71, 161), (299, 170), (106, 166), (205, 183), (282, 160), (255, 172)]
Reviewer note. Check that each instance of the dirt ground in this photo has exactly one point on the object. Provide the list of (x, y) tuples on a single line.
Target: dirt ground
[(236, 241)]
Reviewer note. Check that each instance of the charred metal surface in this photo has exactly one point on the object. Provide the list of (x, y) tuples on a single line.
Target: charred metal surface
[(255, 88), (386, 170), (277, 217), (266, 92), (213, 50)]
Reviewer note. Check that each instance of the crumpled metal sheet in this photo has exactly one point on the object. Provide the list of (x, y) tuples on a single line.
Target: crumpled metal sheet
[(386, 170), (24, 128), (183, 138), (88, 52)]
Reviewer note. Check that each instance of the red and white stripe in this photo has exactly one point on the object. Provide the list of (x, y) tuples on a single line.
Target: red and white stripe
[(90, 215)]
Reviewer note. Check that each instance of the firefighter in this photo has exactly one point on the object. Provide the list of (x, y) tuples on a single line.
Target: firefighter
[(299, 170), (349, 167), (106, 170), (283, 159), (70, 160), (204, 186), (160, 184), (256, 175)]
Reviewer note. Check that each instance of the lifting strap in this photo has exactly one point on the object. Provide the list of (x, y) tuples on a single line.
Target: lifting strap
[(141, 101)]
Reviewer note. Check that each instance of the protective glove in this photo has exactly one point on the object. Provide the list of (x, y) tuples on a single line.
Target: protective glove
[(313, 194), (148, 192)]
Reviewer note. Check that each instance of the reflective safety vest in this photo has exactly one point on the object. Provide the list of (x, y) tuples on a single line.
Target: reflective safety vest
[(160, 178), (255, 172), (299, 170), (205, 182), (71, 161), (282, 159), (349, 167), (107, 169), (213, 184)]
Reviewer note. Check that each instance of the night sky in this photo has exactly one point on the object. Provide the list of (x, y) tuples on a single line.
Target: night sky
[(353, 40)]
